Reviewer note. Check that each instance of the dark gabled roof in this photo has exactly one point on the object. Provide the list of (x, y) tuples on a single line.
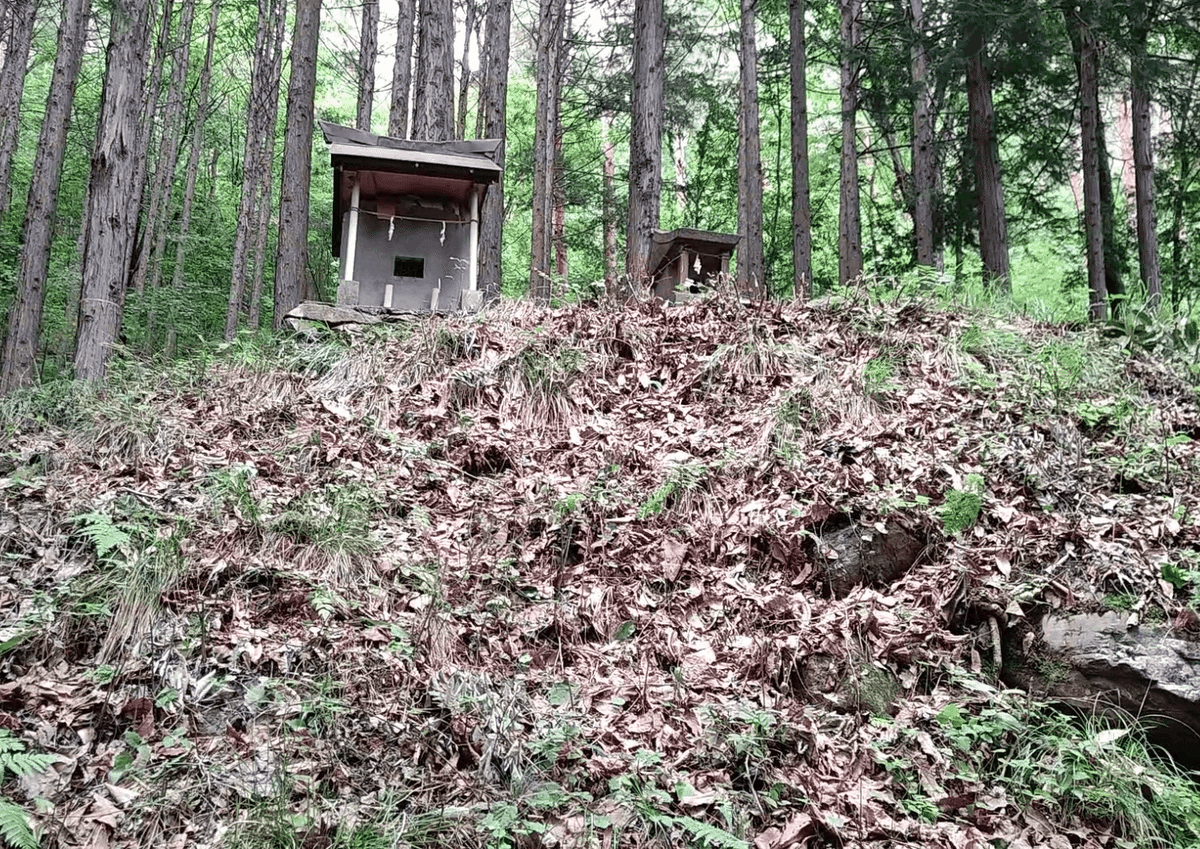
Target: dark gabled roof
[(471, 159), (701, 241)]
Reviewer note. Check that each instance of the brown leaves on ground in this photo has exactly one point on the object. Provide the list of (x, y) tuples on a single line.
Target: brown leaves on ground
[(579, 548)]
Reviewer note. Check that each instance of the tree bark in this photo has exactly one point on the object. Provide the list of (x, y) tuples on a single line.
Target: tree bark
[(260, 238), (1114, 257), (368, 48), (149, 265), (402, 70), (21, 18), (291, 259), (18, 363), (495, 97), (924, 156), (464, 70), (850, 258), (193, 168), (750, 211), (550, 23), (1143, 170), (993, 223), (261, 111), (110, 217), (608, 150), (433, 118), (801, 203), (1093, 212), (645, 140), (483, 65)]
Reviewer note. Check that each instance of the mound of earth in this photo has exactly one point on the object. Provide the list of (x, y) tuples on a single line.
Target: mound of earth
[(713, 575)]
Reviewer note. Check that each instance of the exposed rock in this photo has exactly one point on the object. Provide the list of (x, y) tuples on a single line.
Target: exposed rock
[(1094, 660), (332, 315), (863, 555)]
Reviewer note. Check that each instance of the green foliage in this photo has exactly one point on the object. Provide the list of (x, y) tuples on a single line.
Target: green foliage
[(681, 479), (879, 376), (961, 507), (15, 761), (337, 519), (106, 537)]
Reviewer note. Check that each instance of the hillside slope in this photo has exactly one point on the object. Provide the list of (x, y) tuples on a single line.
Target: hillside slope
[(592, 577)]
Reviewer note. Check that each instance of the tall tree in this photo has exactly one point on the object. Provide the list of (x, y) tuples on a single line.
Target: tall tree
[(1143, 157), (549, 43), (495, 99), (750, 215), (464, 70), (924, 157), (801, 204), (20, 20), (402, 70), (368, 48), (645, 140), (850, 258), (17, 365), (110, 217), (153, 234), (433, 115), (989, 189), (609, 199), (193, 167), (291, 259), (261, 116), (1080, 22)]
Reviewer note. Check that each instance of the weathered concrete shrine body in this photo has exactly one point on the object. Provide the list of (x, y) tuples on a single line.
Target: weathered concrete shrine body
[(684, 260), (406, 219)]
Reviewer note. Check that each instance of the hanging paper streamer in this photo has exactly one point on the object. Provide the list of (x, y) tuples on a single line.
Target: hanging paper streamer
[(391, 227), (442, 239)]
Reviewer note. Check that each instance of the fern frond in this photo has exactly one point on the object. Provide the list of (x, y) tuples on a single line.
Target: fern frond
[(25, 763), (103, 534), (15, 829), (711, 835)]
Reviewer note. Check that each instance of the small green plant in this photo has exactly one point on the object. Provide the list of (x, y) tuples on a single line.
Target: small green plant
[(230, 488), (505, 826), (1119, 601), (680, 479), (961, 507), (879, 376), (337, 519), (15, 761)]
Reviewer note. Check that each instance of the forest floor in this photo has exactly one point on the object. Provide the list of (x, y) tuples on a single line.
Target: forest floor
[(567, 578)]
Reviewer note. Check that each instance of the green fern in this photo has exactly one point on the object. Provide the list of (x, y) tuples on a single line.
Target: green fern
[(710, 835), (15, 829), (103, 534)]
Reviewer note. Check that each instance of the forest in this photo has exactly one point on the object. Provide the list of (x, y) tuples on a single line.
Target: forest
[(162, 186)]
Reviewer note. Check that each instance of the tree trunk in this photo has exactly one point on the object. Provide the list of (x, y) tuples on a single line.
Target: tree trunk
[(750, 212), (495, 97), (193, 168), (679, 155), (260, 126), (433, 119), (1143, 171), (260, 238), (1093, 211), (402, 70), (645, 140), (17, 366), (464, 70), (609, 200), (549, 40), (110, 216), (483, 65), (850, 259), (147, 132), (1114, 257), (368, 48), (801, 204), (168, 157), (291, 259), (21, 18), (993, 223), (924, 157)]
